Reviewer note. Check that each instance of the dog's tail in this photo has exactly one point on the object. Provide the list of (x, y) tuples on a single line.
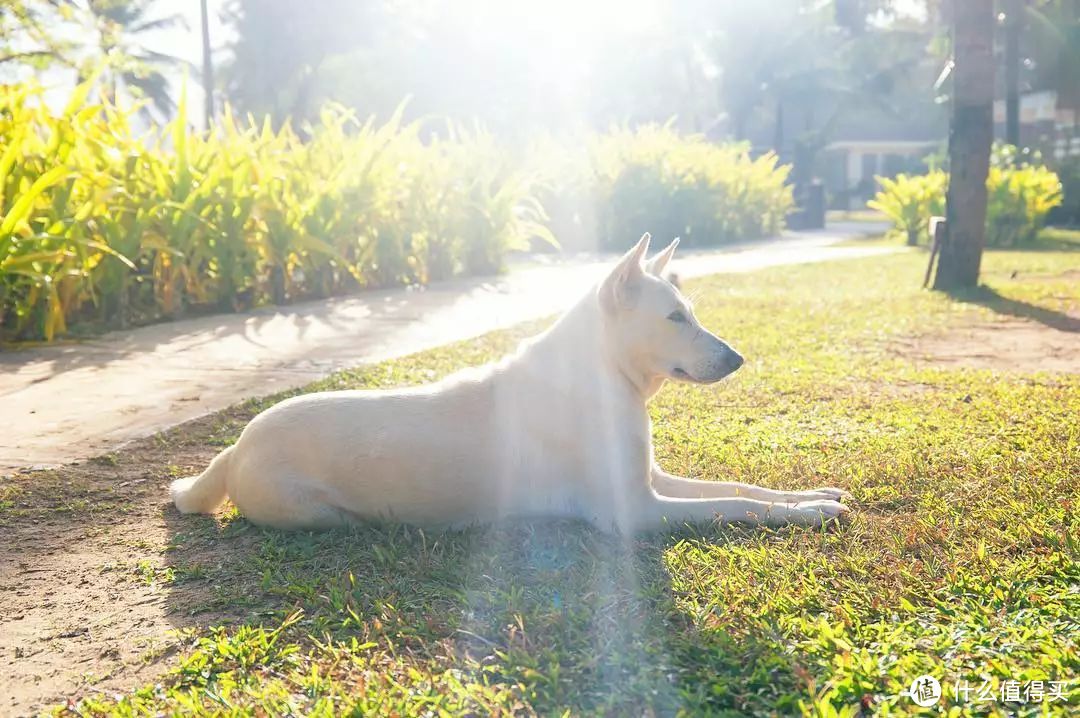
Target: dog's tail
[(203, 493)]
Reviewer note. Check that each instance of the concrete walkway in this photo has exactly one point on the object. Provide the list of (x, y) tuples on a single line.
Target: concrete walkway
[(72, 401)]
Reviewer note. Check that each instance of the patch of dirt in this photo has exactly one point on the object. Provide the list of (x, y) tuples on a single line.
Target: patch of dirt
[(1007, 344), (86, 604)]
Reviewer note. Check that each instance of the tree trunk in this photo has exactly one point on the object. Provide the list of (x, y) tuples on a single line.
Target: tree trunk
[(971, 133), (1014, 13), (778, 131), (207, 67), (277, 285)]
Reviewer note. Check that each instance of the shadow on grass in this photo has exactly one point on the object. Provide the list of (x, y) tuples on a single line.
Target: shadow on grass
[(573, 618), (986, 297), (560, 615)]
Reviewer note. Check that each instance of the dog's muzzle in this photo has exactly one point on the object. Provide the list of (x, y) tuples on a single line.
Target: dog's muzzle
[(725, 362), (722, 362), (728, 363)]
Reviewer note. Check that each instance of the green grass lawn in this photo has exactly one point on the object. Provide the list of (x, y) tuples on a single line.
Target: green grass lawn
[(959, 559), (1051, 239), (1060, 238)]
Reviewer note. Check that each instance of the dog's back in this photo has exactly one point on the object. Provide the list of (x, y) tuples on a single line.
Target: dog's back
[(476, 447)]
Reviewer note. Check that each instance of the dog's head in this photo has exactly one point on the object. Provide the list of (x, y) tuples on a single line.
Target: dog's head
[(652, 325)]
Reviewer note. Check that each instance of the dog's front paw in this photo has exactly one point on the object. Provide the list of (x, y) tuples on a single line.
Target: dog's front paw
[(830, 493), (817, 513), (825, 493)]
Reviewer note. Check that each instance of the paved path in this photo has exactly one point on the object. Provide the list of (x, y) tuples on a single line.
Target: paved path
[(73, 401)]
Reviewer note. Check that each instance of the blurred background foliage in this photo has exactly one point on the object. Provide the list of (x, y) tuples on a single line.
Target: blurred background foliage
[(1021, 194), (494, 126), (518, 65), (103, 225)]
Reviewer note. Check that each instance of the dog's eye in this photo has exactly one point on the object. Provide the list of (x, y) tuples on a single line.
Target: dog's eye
[(678, 316)]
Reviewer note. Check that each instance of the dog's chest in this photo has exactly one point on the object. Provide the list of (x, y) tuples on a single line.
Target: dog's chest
[(595, 436)]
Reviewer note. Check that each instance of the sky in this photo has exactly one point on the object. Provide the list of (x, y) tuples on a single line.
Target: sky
[(186, 43), (567, 29)]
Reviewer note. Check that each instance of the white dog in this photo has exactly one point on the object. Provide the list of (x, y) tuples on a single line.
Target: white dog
[(558, 429)]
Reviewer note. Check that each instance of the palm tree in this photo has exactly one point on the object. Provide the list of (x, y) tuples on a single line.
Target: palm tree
[(971, 134), (125, 59), (26, 35)]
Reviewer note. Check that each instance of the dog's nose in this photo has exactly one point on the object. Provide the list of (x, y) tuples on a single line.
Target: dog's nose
[(735, 360)]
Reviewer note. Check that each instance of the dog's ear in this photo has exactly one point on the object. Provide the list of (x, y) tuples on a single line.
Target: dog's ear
[(659, 262), (619, 287)]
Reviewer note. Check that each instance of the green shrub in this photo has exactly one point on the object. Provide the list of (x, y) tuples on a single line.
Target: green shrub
[(910, 200), (486, 202), (1019, 197), (100, 225), (1021, 193), (653, 179)]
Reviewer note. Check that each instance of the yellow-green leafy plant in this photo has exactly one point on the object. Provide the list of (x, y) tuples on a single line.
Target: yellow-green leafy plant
[(1018, 200), (566, 186), (491, 204), (55, 174), (1019, 197), (651, 178), (101, 225), (909, 201)]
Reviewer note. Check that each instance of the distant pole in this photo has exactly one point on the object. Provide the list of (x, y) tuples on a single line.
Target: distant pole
[(1013, 20), (207, 67)]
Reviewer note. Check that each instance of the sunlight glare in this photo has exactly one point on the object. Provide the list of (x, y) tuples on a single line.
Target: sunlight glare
[(564, 36)]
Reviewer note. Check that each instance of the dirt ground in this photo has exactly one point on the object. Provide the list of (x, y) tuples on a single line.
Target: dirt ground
[(87, 608), (1017, 345)]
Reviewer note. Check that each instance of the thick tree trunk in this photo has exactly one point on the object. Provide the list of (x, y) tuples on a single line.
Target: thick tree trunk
[(971, 133)]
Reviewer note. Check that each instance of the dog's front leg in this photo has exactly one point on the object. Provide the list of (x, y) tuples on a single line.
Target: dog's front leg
[(666, 484), (661, 511)]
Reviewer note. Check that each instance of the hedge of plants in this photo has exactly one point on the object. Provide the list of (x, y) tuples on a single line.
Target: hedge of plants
[(99, 224), (651, 177), (103, 226), (1020, 196)]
